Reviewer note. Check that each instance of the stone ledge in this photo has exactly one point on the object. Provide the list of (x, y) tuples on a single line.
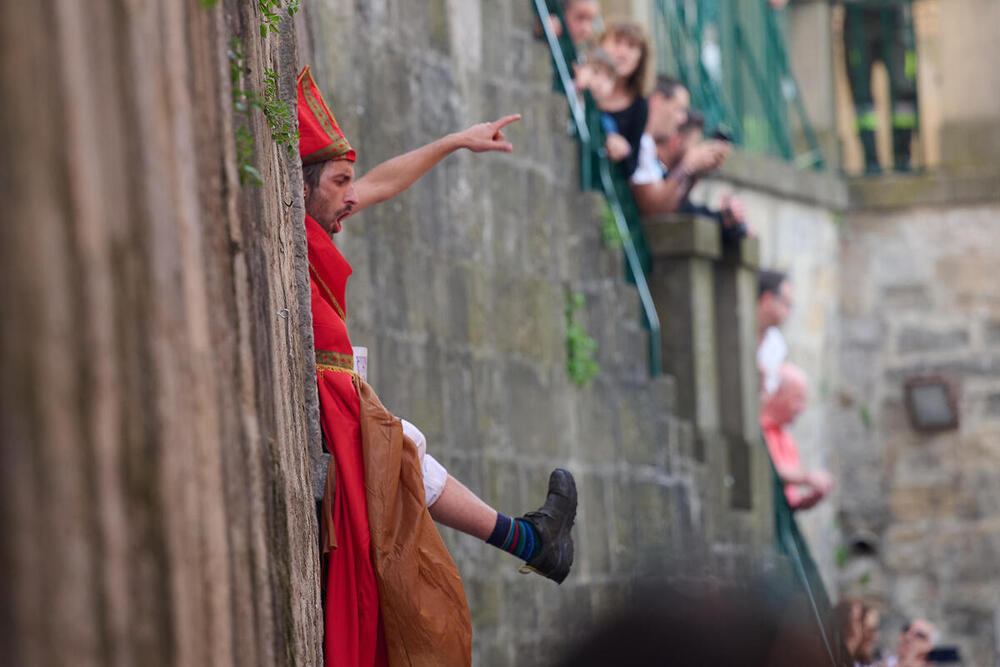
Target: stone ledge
[(822, 188), (683, 235), (746, 253), (946, 187), (939, 188)]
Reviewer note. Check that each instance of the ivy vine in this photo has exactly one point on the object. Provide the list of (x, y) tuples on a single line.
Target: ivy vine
[(271, 11), (280, 115), (580, 347)]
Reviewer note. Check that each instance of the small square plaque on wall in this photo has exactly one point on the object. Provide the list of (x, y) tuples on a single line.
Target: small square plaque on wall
[(931, 403)]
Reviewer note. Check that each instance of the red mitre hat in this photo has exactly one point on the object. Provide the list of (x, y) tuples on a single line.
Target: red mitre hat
[(320, 138)]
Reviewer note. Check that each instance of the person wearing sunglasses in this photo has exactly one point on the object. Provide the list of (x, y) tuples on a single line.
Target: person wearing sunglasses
[(915, 642)]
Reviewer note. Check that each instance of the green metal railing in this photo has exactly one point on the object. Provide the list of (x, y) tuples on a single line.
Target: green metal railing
[(791, 543), (596, 173), (731, 55)]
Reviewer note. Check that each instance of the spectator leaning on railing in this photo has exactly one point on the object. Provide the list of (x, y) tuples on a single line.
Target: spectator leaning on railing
[(915, 642), (628, 46), (668, 105), (673, 143), (582, 17), (731, 214), (667, 194), (803, 488), (774, 303)]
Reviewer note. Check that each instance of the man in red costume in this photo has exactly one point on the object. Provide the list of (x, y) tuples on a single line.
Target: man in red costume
[(392, 594)]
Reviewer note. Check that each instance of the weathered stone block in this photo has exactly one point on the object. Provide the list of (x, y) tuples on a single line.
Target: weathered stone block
[(919, 339), (597, 418), (595, 506), (906, 297), (541, 420), (912, 503), (991, 332)]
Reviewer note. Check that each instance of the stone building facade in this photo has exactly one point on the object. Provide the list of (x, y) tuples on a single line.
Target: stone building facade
[(157, 416), (886, 284)]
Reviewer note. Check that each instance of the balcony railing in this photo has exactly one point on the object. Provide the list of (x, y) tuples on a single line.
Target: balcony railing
[(596, 174), (731, 55)]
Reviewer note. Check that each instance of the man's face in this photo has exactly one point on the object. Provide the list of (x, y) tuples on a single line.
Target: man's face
[(788, 402), (670, 150), (775, 306), (580, 18), (333, 198), (917, 639), (667, 113)]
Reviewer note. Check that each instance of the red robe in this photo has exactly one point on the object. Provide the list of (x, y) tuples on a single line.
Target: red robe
[(353, 636), (393, 594)]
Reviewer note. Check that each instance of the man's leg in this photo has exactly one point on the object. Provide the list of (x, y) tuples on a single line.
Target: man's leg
[(859, 55), (541, 538), (461, 509), (901, 59)]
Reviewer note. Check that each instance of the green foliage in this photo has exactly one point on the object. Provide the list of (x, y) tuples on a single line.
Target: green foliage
[(866, 417), (208, 4), (840, 556), (609, 229), (244, 139), (280, 115), (271, 13), (244, 158), (580, 347), (235, 54)]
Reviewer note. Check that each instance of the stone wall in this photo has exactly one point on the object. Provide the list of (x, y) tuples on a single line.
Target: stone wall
[(918, 297), (459, 291), (155, 502)]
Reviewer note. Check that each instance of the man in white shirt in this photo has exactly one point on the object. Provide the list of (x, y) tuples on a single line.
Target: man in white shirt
[(774, 303)]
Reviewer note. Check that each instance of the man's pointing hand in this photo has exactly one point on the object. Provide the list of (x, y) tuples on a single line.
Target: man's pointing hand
[(488, 136)]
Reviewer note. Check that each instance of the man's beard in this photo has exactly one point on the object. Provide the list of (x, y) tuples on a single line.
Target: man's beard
[(334, 224), (338, 218)]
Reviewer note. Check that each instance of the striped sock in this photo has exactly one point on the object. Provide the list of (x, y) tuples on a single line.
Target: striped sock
[(515, 536)]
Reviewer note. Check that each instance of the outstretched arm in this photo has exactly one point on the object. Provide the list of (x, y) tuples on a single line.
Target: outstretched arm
[(393, 176)]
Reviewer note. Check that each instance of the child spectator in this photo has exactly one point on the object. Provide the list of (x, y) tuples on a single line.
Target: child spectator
[(628, 46), (597, 74)]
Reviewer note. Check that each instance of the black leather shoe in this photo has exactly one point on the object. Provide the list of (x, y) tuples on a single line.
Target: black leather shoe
[(552, 523)]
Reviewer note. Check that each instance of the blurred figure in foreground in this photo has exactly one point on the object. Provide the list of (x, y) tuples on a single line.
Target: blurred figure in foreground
[(728, 627), (848, 615), (866, 654)]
